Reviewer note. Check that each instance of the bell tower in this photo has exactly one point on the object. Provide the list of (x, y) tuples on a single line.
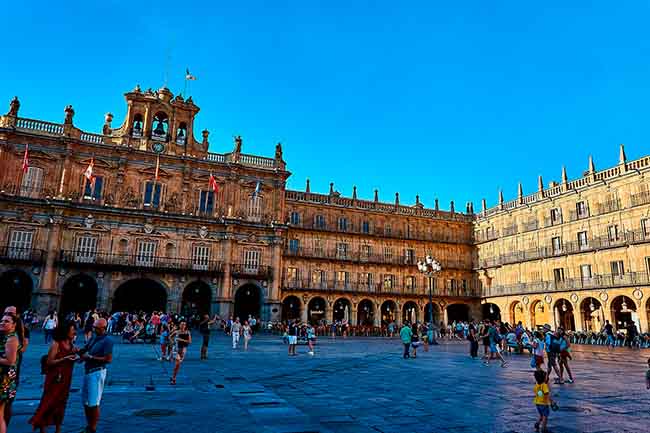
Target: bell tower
[(159, 122)]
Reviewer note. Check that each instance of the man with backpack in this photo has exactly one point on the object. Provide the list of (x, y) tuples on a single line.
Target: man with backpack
[(495, 339), (553, 350)]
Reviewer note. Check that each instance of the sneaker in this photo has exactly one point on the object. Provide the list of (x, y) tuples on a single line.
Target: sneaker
[(486, 363), (311, 353), (504, 364), (569, 381), (537, 426)]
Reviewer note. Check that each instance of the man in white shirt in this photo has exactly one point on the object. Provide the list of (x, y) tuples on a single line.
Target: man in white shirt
[(236, 330)]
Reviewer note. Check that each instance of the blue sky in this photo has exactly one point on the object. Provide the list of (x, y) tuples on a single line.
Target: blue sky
[(443, 100)]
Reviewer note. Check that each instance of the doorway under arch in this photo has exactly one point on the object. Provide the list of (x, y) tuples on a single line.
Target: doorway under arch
[(140, 294), (564, 316), (624, 312), (248, 302), (79, 294), (490, 311), (388, 312), (16, 289), (197, 299), (537, 317), (517, 313), (366, 313), (436, 313), (316, 310), (592, 314), (342, 310), (290, 308), (410, 312), (457, 313)]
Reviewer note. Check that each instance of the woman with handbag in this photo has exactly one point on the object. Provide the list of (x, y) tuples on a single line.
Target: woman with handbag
[(9, 347), (58, 376)]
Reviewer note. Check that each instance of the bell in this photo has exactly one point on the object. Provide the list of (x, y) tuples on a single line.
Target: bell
[(159, 129), (181, 133), (137, 127)]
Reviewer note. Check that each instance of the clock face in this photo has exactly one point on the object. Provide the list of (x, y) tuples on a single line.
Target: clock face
[(158, 147)]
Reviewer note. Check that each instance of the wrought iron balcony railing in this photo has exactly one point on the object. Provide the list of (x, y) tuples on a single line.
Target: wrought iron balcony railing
[(364, 258), (23, 255), (139, 261), (568, 284), (471, 290), (574, 247), (251, 271)]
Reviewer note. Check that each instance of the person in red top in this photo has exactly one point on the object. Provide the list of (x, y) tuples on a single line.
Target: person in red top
[(155, 321)]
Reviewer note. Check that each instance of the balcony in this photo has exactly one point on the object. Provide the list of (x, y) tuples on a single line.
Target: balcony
[(640, 198), (593, 282), (105, 260), (371, 259), (335, 286), (574, 247), (251, 271), (10, 254), (350, 228)]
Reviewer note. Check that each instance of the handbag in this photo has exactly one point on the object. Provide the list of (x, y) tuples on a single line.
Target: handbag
[(533, 364)]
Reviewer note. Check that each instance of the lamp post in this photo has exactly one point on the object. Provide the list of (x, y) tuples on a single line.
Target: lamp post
[(429, 267)]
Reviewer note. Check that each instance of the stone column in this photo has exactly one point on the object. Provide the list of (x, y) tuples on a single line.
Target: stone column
[(276, 264), (445, 316), (226, 287), (303, 312), (48, 296)]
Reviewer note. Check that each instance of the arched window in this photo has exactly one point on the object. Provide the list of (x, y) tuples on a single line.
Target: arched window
[(181, 133), (160, 126), (137, 125)]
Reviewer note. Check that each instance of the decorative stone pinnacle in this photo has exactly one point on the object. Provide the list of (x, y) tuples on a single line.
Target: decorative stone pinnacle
[(376, 196), (307, 189), (354, 192), (621, 154), (520, 191), (483, 205), (331, 188), (451, 207), (592, 167), (397, 199), (436, 206), (540, 184), (69, 114), (564, 176), (500, 197)]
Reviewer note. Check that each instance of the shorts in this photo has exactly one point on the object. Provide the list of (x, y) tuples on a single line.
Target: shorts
[(293, 339), (610, 339), (493, 348), (539, 361), (543, 409), (206, 340), (93, 388)]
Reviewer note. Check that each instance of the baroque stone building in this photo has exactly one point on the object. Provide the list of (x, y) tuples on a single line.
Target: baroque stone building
[(142, 216), (576, 253)]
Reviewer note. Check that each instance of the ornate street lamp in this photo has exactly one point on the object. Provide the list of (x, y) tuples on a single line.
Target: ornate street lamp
[(430, 267), (564, 307)]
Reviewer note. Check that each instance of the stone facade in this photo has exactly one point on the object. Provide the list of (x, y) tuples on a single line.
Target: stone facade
[(143, 216), (576, 253)]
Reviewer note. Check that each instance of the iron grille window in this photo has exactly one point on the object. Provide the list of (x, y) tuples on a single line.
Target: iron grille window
[(343, 224), (585, 272), (294, 245), (255, 207), (200, 257), (342, 250), (617, 268), (86, 251), (146, 253), (582, 240), (365, 227), (295, 218), (251, 260), (20, 244), (319, 221)]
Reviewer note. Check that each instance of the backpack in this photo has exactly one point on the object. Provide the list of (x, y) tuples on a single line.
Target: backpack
[(554, 347)]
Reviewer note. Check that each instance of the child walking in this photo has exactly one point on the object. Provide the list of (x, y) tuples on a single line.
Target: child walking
[(542, 400)]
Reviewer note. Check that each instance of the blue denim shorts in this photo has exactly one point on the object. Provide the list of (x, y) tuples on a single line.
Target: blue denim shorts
[(543, 409)]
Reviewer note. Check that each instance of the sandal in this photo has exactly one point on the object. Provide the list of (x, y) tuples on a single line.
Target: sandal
[(172, 381)]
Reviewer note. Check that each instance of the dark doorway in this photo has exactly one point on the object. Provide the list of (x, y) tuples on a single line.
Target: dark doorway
[(79, 294), (316, 310), (197, 298), (248, 302), (342, 310), (15, 289), (490, 311), (365, 313), (388, 312), (290, 308), (457, 313), (564, 315), (410, 312), (141, 294), (436, 313)]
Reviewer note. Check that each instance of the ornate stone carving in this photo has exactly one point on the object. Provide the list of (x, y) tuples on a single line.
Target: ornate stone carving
[(148, 228), (89, 221), (203, 232), (14, 106)]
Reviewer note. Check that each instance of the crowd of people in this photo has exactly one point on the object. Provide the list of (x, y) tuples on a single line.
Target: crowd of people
[(82, 338)]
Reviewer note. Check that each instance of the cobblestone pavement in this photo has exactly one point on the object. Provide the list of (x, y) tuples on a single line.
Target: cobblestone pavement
[(351, 385)]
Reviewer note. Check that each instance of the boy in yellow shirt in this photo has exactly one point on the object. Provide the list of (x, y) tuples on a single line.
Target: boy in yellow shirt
[(542, 399)]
